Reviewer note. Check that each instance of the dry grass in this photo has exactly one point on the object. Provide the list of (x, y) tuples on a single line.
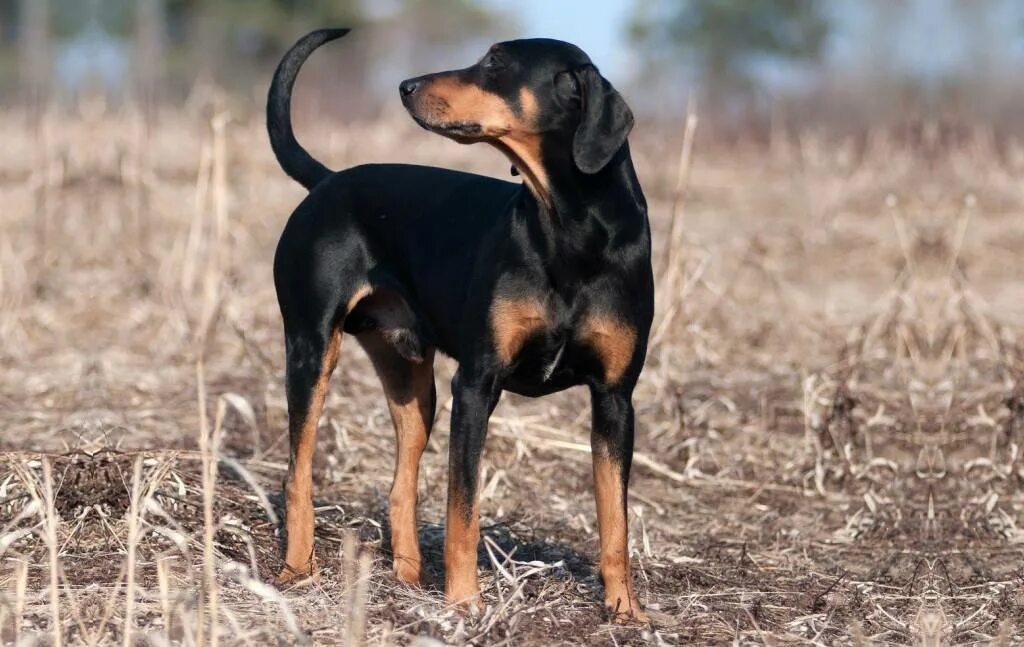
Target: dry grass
[(828, 426)]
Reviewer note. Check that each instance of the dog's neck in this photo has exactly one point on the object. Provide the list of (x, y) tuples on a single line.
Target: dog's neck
[(571, 214), (525, 156), (569, 196), (561, 190)]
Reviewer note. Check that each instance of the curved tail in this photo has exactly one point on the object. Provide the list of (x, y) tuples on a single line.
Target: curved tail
[(292, 157)]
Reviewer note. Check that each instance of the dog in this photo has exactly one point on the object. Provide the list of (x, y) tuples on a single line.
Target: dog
[(532, 287)]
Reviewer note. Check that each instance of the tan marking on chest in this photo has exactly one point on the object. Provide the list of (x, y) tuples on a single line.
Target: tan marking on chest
[(513, 321), (613, 340)]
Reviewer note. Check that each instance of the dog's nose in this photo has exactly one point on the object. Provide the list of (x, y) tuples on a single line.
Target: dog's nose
[(409, 86)]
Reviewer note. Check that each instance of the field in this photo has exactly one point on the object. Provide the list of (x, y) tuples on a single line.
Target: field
[(829, 424)]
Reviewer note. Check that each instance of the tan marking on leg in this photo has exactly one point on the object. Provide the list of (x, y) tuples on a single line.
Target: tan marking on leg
[(619, 596), (513, 321), (461, 538), (408, 387), (613, 340), (300, 561)]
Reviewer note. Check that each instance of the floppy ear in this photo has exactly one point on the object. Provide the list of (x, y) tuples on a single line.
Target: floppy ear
[(605, 123)]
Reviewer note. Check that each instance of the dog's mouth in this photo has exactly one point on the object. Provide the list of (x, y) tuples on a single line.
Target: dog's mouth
[(429, 113), (458, 130), (461, 129)]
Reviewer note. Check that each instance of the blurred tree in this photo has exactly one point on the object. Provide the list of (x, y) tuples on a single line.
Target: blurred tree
[(8, 21), (237, 41), (151, 30), (424, 35), (34, 45), (726, 37), (263, 28), (443, 21), (234, 42)]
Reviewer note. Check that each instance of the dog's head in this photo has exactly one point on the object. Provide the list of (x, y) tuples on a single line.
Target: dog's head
[(524, 96)]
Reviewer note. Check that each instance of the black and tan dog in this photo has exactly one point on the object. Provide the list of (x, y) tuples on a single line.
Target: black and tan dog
[(532, 288)]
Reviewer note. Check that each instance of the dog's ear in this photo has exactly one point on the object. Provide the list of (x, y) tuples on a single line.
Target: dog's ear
[(605, 122)]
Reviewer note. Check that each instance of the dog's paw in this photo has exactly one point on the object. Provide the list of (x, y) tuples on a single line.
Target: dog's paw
[(627, 611), (407, 570), (292, 577), (469, 602)]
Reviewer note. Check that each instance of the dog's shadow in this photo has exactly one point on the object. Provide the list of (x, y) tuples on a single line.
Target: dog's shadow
[(509, 540)]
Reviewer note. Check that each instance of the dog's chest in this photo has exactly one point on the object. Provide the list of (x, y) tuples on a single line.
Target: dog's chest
[(550, 342)]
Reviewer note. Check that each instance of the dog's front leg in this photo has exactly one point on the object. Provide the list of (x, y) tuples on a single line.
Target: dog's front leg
[(611, 442), (473, 399)]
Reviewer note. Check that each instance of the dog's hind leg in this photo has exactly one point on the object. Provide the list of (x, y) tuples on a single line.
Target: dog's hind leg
[(311, 359), (312, 344), (412, 399)]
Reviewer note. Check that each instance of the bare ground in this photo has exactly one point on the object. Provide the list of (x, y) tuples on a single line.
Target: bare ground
[(828, 425)]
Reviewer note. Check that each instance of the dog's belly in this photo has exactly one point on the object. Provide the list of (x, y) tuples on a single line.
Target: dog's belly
[(534, 389)]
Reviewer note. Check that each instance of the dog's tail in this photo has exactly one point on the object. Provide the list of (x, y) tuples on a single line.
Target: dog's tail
[(292, 157)]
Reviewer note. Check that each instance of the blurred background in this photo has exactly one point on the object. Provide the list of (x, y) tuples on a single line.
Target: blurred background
[(842, 64)]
